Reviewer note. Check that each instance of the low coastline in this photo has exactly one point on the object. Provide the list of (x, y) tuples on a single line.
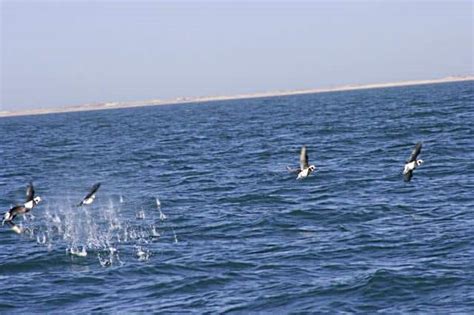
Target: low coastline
[(198, 99)]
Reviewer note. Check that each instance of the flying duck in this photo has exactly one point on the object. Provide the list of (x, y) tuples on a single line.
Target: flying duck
[(412, 163), (89, 198), (305, 169), (30, 203)]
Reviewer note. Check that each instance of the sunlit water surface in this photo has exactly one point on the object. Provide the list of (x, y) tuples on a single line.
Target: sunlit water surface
[(197, 212)]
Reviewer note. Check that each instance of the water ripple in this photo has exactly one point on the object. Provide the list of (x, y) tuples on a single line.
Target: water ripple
[(232, 230)]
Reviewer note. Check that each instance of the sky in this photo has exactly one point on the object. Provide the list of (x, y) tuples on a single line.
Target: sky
[(61, 53)]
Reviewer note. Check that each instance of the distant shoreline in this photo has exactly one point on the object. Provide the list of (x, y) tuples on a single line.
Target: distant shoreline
[(199, 99)]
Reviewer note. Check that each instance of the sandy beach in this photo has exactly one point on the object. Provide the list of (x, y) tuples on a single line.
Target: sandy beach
[(197, 99)]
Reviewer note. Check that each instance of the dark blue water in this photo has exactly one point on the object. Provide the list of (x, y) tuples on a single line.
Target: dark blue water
[(234, 231)]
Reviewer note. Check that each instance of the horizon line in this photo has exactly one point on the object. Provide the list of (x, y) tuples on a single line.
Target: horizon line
[(202, 99)]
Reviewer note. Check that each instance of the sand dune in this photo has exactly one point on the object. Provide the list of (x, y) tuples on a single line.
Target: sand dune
[(197, 99)]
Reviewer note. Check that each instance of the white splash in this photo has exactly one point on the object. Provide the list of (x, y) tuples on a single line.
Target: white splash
[(104, 262), (142, 255), (140, 215), (56, 219), (175, 237), (76, 252), (101, 229), (42, 239), (158, 206), (154, 232)]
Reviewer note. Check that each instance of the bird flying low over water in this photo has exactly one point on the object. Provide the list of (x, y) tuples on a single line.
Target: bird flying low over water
[(89, 198), (412, 163), (305, 169), (30, 203)]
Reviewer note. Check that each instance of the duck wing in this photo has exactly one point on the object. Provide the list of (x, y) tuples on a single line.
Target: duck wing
[(90, 194), (92, 191), (414, 154), (293, 170), (407, 176), (30, 192), (303, 158)]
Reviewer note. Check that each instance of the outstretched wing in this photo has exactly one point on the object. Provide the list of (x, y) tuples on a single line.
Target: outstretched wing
[(303, 158), (415, 152), (30, 192), (407, 176), (93, 191), (293, 170)]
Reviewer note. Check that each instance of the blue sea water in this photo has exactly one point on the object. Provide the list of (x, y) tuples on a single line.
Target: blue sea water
[(197, 212)]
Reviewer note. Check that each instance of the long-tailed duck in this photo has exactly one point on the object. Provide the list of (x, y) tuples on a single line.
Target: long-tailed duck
[(30, 203), (412, 163), (89, 198), (305, 169)]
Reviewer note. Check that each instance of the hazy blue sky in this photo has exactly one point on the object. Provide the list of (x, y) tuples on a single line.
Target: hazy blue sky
[(56, 53)]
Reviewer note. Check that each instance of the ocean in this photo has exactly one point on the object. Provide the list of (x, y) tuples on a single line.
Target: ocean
[(197, 212)]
